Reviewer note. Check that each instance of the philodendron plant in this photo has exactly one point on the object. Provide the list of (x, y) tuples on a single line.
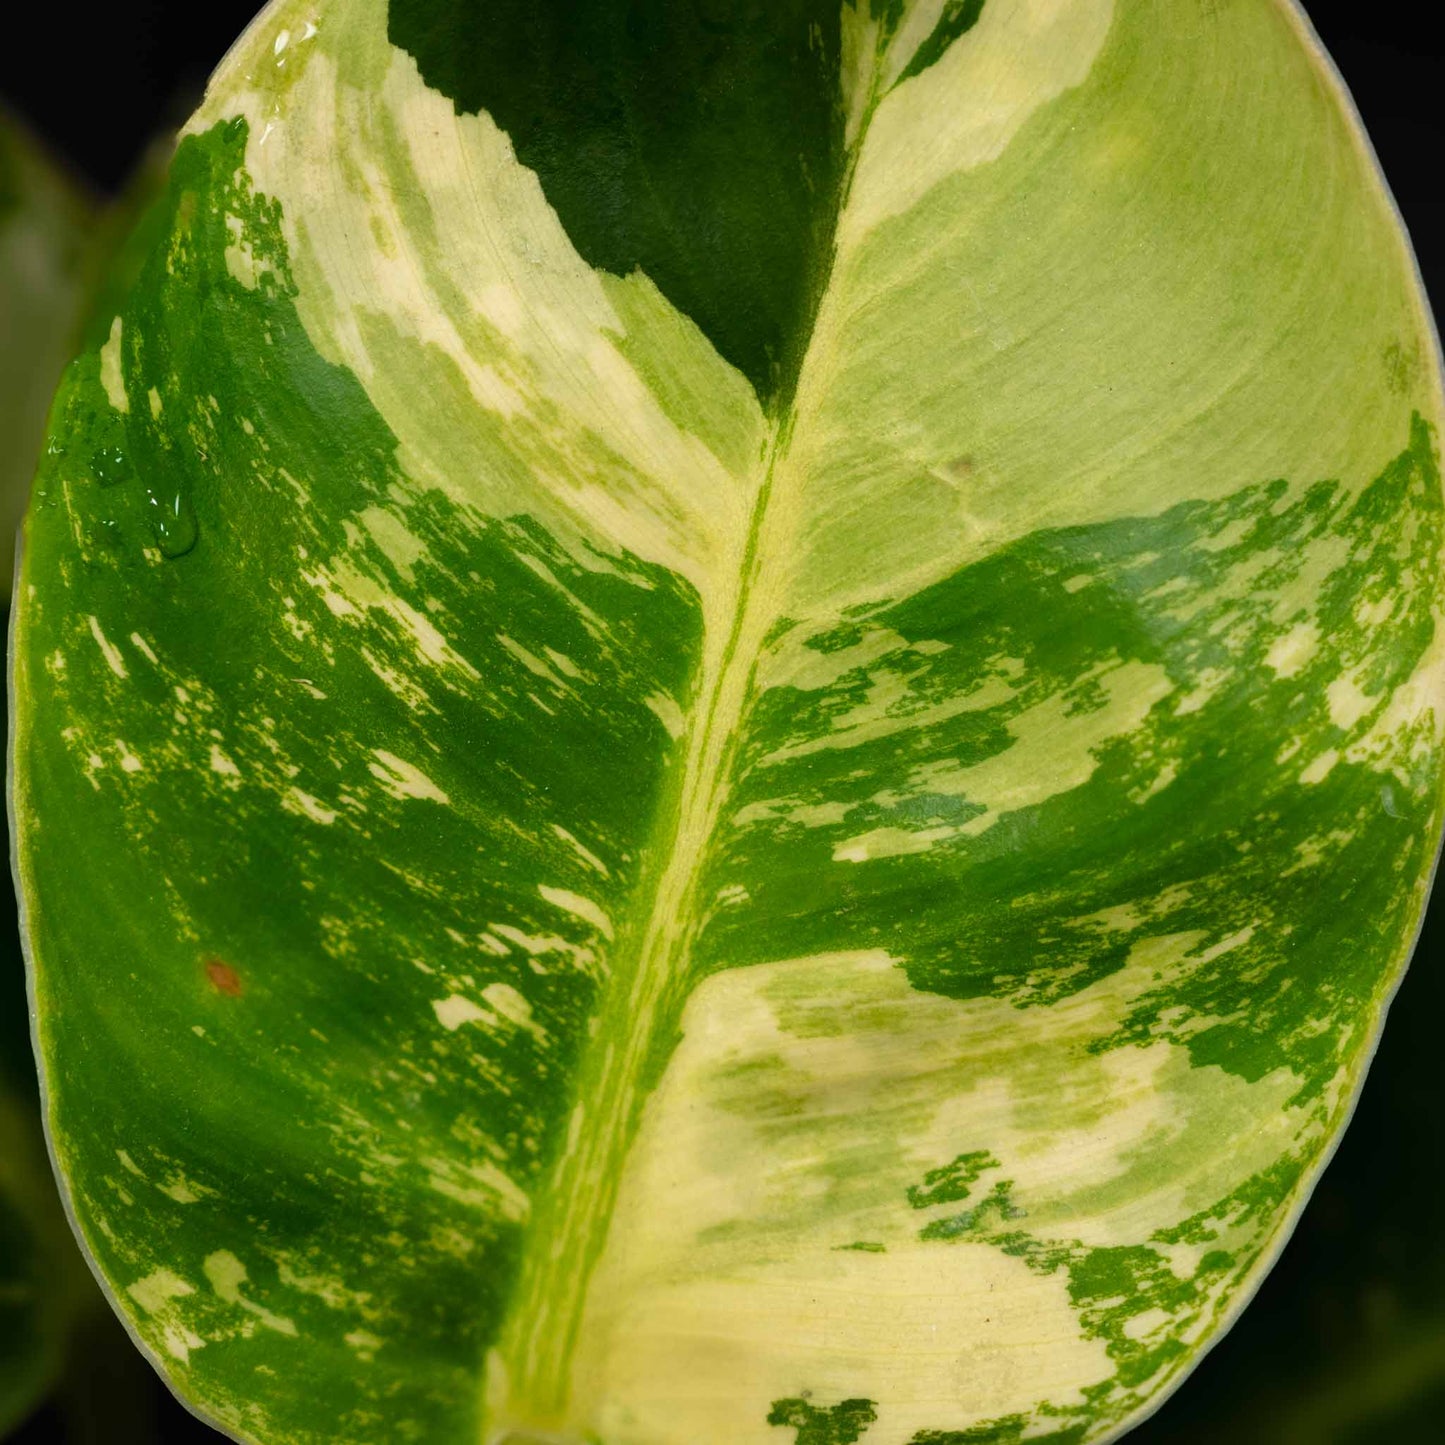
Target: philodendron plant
[(729, 716)]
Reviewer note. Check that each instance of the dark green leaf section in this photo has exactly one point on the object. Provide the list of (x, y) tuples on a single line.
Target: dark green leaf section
[(958, 18), (998, 1206), (840, 1424), (1007, 1431), (327, 1126), (700, 141), (1246, 796), (951, 1182)]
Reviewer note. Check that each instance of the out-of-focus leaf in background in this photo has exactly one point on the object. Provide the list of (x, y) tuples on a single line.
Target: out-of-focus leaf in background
[(38, 1262), (46, 227)]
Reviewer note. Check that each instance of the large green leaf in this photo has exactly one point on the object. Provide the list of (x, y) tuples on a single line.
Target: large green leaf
[(730, 716)]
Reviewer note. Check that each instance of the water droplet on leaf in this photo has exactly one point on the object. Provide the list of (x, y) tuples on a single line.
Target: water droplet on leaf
[(110, 465), (174, 520)]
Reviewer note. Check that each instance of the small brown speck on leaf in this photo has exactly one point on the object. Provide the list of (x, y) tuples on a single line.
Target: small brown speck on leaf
[(224, 978)]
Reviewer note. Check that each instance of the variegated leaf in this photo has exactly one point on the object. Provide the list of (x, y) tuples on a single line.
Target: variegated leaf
[(730, 714)]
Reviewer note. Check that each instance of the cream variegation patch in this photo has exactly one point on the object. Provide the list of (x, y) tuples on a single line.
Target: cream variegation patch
[(962, 112), (764, 1244)]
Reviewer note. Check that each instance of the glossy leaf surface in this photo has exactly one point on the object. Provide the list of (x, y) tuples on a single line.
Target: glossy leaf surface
[(730, 715)]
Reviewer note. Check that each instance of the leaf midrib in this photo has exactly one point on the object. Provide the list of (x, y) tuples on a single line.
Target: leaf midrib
[(642, 1005)]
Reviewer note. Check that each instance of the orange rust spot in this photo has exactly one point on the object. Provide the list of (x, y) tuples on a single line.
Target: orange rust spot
[(224, 978)]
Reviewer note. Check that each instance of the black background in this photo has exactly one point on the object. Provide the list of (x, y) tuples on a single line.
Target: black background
[(1345, 1344)]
